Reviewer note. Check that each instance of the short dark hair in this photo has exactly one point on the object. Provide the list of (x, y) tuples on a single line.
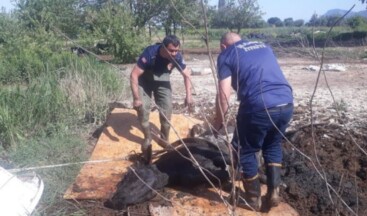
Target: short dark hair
[(171, 39)]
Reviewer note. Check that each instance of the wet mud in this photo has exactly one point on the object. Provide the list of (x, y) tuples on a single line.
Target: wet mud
[(325, 171)]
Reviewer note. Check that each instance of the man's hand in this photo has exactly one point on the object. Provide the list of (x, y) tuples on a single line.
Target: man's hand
[(137, 104)]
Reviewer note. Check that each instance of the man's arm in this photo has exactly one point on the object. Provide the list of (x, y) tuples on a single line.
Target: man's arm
[(134, 85), (186, 73), (222, 101)]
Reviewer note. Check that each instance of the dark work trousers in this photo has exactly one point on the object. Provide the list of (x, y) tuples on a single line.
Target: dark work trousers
[(163, 98), (256, 132)]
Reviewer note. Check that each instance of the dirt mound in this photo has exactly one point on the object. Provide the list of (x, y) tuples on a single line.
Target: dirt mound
[(333, 159)]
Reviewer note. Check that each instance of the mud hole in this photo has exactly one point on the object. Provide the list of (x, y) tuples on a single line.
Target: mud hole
[(326, 154)]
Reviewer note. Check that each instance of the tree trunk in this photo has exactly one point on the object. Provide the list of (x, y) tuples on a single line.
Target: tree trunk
[(174, 28)]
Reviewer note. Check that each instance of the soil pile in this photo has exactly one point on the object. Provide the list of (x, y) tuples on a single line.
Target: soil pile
[(326, 169)]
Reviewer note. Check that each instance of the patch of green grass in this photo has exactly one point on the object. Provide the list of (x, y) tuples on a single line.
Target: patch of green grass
[(44, 151), (82, 88), (43, 122)]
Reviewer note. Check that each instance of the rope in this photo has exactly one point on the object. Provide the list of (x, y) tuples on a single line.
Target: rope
[(65, 164)]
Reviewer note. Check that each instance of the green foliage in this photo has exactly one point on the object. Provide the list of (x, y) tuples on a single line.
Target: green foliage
[(237, 15), (44, 87), (176, 15), (145, 11), (350, 36), (63, 15), (333, 21), (299, 22), (8, 28), (26, 54), (328, 21), (115, 24), (43, 150), (275, 21), (288, 21), (83, 87), (9, 132), (47, 151), (357, 23)]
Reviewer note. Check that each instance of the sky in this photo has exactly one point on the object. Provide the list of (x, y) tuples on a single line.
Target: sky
[(304, 9), (7, 4), (296, 9)]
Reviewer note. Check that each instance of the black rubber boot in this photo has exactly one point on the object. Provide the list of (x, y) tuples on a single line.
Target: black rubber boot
[(273, 182), (252, 192), (146, 147)]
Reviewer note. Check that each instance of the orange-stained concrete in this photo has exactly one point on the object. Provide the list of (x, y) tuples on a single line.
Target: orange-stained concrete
[(120, 139)]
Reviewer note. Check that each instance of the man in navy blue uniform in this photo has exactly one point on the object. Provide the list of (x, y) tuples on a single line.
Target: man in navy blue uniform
[(265, 109), (151, 76)]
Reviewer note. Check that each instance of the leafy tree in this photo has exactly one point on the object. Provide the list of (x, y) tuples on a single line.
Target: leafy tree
[(48, 14), (8, 28), (313, 20), (357, 22), (97, 4), (260, 23), (115, 23), (275, 21), (331, 20), (144, 10), (179, 13), (237, 15), (325, 21), (317, 21), (288, 22), (299, 22)]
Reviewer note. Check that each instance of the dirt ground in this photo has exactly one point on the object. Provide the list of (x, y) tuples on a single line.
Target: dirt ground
[(325, 160)]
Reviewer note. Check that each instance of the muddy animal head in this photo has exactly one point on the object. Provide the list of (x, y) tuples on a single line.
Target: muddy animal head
[(138, 185)]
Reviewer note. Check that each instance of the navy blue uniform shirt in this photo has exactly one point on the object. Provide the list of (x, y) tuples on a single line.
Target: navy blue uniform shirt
[(256, 76)]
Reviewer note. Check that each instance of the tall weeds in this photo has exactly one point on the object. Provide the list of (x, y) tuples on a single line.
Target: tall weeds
[(44, 121), (58, 98), (49, 100)]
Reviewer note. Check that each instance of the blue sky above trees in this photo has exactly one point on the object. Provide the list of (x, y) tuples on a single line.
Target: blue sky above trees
[(302, 9)]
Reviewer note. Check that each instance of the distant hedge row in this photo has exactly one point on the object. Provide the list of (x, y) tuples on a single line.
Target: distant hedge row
[(355, 38)]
